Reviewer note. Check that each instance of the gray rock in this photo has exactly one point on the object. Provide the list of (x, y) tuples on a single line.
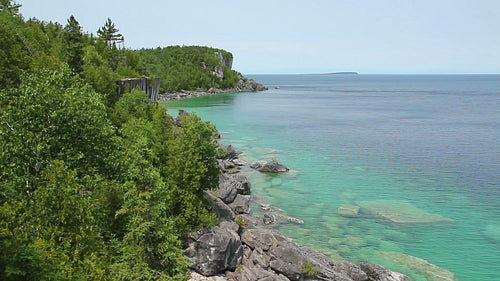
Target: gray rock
[(241, 204), (351, 270), (214, 250), (227, 193), (198, 277), (257, 165), (226, 164), (269, 218), (250, 221), (221, 209), (238, 182), (245, 273), (273, 166), (239, 162), (231, 152), (290, 259), (230, 226), (377, 272), (259, 258), (264, 238), (281, 218)]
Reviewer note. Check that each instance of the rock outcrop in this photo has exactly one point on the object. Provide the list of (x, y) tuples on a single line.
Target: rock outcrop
[(272, 166), (214, 250), (243, 86)]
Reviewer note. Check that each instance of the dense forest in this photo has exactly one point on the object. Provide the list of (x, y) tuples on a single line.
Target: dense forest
[(94, 187)]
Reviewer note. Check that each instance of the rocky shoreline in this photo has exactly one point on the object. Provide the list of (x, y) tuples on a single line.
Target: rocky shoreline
[(246, 247), (244, 85)]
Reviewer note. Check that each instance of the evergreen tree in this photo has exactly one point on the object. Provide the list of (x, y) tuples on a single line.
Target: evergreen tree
[(74, 46), (109, 32), (10, 7)]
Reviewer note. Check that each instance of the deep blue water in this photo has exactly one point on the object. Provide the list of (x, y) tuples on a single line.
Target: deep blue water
[(411, 146)]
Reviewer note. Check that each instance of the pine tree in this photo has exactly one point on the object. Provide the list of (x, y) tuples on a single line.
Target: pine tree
[(10, 6), (74, 47), (109, 32)]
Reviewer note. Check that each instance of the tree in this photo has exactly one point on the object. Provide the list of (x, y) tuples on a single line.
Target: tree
[(191, 168), (14, 55), (10, 7), (74, 46), (109, 32), (53, 115)]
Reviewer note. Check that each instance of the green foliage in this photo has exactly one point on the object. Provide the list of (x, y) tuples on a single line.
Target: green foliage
[(191, 169), (14, 57), (94, 187), (308, 269), (187, 67), (240, 221), (74, 48), (110, 34)]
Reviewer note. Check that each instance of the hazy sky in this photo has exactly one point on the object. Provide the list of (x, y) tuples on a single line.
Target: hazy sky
[(307, 36)]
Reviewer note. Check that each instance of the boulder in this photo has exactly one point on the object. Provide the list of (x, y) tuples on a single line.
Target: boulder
[(272, 166), (351, 270), (241, 204), (231, 153), (377, 272), (298, 262), (245, 273), (214, 250), (258, 258), (238, 182), (221, 209), (262, 238), (227, 193)]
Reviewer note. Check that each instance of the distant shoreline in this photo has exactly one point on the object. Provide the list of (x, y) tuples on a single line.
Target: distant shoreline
[(337, 73)]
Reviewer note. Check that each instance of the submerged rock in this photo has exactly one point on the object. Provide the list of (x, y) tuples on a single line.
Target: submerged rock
[(492, 233), (378, 272), (348, 210), (398, 211), (431, 271)]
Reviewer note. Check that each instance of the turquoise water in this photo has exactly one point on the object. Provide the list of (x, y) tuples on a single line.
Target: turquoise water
[(418, 155)]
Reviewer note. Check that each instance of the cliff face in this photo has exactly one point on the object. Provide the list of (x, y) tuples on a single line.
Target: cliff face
[(225, 59)]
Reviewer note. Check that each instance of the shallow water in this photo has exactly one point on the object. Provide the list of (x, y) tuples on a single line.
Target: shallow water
[(419, 155)]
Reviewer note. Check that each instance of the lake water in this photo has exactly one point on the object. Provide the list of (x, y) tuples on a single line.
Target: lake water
[(419, 155)]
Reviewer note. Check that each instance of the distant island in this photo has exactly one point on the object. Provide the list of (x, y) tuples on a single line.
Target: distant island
[(337, 73), (343, 73)]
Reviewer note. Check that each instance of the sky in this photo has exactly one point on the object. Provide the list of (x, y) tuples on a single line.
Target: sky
[(308, 36)]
